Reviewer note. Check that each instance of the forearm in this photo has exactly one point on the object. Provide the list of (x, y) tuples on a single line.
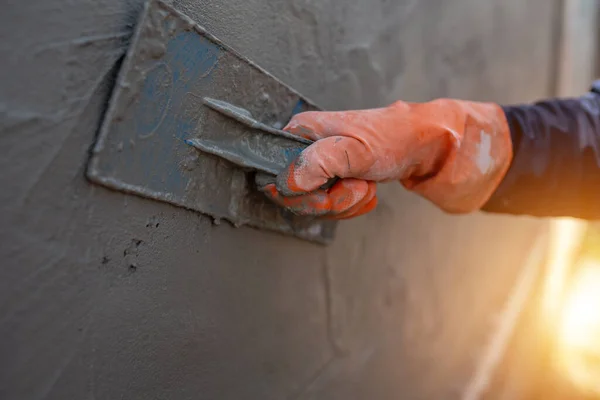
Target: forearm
[(555, 170)]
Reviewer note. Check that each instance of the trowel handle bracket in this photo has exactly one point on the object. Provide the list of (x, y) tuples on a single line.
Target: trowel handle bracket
[(260, 157)]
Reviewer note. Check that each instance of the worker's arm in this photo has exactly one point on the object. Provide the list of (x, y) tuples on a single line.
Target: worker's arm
[(556, 166), (454, 153)]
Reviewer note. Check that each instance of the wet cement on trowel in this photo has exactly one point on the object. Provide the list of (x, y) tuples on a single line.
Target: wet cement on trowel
[(106, 295), (270, 160)]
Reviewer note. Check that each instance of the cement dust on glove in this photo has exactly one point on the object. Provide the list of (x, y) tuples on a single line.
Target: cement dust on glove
[(452, 152)]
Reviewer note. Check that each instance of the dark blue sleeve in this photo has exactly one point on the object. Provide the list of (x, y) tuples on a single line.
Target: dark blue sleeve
[(556, 166)]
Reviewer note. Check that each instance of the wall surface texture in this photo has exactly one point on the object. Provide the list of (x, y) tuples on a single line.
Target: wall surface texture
[(108, 296)]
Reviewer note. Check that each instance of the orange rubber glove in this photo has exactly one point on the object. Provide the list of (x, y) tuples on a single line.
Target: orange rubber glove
[(452, 152)]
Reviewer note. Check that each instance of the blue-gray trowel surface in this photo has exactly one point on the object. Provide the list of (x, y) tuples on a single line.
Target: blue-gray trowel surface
[(192, 123)]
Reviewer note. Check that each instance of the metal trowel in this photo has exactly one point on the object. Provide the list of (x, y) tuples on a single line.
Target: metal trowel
[(193, 123)]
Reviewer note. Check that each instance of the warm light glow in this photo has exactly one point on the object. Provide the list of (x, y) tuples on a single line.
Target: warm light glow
[(579, 327), (566, 235)]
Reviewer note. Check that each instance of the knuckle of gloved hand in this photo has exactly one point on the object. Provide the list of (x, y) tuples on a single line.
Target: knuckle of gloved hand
[(303, 175), (321, 124), (399, 106), (287, 181), (304, 125)]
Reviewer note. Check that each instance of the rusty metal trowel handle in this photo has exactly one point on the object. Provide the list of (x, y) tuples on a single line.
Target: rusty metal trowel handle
[(266, 156)]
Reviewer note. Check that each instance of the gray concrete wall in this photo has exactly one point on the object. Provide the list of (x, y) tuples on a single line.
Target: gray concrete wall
[(109, 296)]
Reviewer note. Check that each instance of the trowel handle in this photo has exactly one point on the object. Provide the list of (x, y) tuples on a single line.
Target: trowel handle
[(253, 157), (262, 179), (267, 163)]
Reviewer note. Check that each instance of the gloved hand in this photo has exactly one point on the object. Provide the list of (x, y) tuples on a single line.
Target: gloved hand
[(452, 152)]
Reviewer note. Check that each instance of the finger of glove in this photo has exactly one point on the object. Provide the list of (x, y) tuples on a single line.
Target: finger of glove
[(315, 204), (335, 156), (348, 193), (357, 209), (317, 125), (344, 195), (370, 206)]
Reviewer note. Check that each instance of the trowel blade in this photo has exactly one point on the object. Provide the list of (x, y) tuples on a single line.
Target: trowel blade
[(171, 66)]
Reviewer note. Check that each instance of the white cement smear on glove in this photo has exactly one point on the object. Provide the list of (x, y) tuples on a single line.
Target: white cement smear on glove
[(484, 158)]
